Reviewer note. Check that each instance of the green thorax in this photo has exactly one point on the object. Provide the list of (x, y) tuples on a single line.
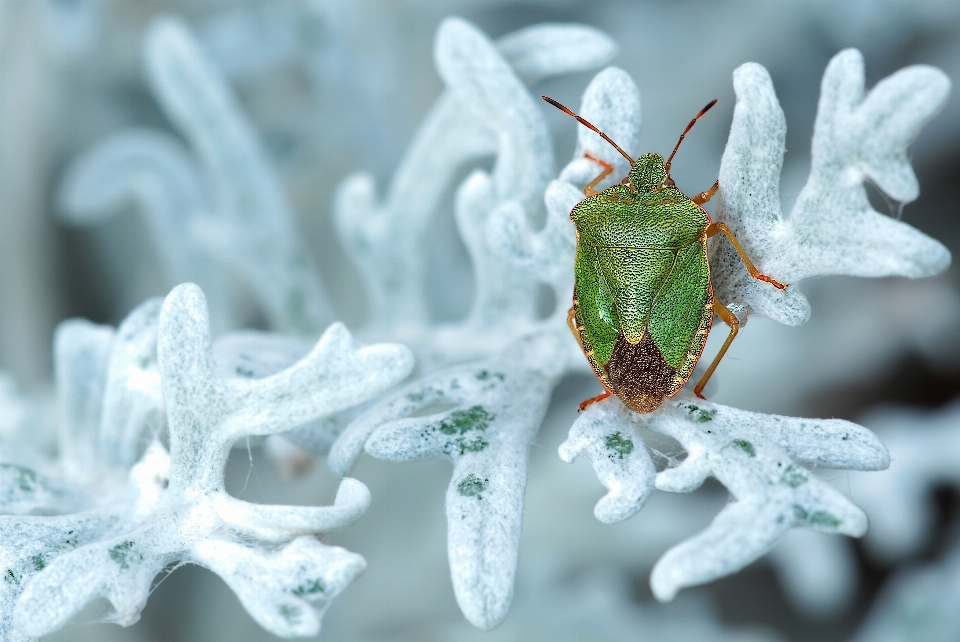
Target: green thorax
[(643, 214)]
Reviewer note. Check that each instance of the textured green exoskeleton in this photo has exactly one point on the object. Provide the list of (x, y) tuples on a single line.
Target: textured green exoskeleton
[(643, 302)]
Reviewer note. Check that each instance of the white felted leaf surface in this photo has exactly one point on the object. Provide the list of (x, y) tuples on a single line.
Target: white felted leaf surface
[(24, 491), (489, 414), (110, 406), (543, 50), (255, 354), (832, 228), (132, 413), (180, 511), (758, 458), (82, 356), (29, 544), (619, 459), (286, 591)]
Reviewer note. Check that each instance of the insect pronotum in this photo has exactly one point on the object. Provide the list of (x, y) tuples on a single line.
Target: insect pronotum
[(643, 302)]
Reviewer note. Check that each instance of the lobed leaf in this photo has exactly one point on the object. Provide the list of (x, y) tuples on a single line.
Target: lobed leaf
[(176, 509), (832, 228), (483, 417)]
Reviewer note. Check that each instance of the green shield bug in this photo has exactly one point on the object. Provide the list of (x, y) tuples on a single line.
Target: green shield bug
[(643, 302)]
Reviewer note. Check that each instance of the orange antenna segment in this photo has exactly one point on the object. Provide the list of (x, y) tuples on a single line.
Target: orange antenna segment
[(689, 127), (589, 126)]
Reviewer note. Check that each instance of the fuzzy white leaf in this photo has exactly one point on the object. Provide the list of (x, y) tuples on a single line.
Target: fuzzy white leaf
[(619, 459), (286, 591), (255, 232), (181, 511), (132, 401), (491, 413), (754, 456), (545, 50), (831, 229), (82, 355)]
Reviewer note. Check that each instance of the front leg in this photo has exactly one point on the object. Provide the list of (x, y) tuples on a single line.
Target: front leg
[(607, 170), (703, 197), (716, 228)]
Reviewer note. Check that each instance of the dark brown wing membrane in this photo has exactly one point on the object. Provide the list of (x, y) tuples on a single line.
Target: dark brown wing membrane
[(639, 373)]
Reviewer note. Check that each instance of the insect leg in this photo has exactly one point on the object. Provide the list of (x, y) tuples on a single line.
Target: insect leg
[(716, 228), (603, 395), (703, 197), (607, 170), (731, 320)]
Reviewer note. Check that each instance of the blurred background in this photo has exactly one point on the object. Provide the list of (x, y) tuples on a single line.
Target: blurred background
[(337, 87)]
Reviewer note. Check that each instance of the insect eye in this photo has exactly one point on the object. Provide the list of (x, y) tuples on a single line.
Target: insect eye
[(669, 182), (625, 181)]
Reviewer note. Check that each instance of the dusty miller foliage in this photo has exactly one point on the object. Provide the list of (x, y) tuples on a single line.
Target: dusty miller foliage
[(75, 530)]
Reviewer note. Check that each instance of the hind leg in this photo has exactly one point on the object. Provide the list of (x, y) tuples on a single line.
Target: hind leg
[(603, 395), (731, 320)]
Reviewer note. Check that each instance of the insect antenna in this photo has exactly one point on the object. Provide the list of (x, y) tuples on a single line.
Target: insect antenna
[(590, 126), (689, 127)]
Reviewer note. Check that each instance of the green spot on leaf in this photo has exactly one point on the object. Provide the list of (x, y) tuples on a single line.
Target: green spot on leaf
[(472, 486), (461, 422), (290, 613), (483, 375), (11, 578), (620, 445), (26, 478), (819, 518), (824, 519), (745, 446), (309, 588), (38, 563), (700, 415), (121, 554), (243, 371), (794, 476)]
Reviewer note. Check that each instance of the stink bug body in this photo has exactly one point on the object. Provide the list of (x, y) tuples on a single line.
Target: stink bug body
[(643, 303)]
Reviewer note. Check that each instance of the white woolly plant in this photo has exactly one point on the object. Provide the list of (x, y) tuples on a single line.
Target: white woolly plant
[(485, 382), (174, 509), (215, 211), (484, 415)]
